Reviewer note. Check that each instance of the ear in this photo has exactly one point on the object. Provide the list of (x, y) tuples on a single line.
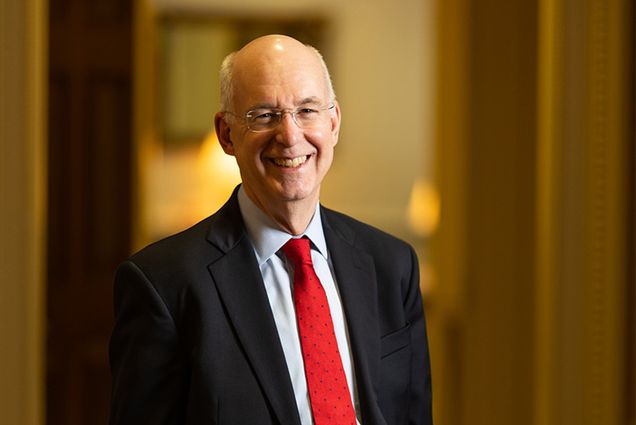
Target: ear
[(335, 122), (223, 131)]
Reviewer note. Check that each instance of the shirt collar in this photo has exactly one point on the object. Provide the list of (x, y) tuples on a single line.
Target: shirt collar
[(265, 235)]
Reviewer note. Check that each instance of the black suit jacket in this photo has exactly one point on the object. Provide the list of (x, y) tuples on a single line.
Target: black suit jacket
[(195, 341)]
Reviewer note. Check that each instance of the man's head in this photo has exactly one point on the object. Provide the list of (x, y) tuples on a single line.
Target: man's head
[(282, 158), (226, 76)]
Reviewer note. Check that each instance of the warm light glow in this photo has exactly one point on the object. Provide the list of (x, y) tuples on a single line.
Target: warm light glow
[(424, 208), (185, 185), (217, 172)]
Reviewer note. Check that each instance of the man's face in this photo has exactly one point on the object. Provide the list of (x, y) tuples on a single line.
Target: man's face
[(286, 163)]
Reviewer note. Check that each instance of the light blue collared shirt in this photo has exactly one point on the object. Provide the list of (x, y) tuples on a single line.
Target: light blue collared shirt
[(278, 275)]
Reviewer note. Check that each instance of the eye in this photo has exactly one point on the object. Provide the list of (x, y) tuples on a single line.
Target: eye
[(306, 112), (261, 116)]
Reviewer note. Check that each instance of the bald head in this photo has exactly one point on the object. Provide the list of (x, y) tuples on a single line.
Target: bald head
[(269, 56)]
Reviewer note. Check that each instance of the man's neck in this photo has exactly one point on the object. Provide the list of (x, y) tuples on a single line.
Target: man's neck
[(292, 217)]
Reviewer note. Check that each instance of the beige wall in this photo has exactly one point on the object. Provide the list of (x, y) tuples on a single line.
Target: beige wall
[(535, 130), (22, 169)]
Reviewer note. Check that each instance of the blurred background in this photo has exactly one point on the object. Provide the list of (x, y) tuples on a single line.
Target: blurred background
[(496, 136)]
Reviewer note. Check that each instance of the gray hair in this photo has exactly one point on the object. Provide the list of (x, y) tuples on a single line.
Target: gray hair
[(226, 79)]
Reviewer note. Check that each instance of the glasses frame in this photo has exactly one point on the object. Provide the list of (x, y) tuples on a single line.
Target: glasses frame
[(278, 113)]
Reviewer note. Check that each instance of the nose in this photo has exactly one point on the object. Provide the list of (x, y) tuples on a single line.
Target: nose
[(287, 131)]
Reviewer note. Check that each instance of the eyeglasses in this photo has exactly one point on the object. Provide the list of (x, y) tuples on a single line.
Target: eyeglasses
[(267, 119)]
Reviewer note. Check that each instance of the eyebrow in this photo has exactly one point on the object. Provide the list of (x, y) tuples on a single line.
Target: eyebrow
[(306, 101)]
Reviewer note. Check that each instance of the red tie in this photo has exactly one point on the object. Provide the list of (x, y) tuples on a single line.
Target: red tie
[(326, 381)]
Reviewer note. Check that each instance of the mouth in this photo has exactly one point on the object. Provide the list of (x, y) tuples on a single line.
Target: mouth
[(290, 162)]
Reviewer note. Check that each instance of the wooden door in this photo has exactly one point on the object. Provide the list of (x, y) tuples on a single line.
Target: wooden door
[(89, 199)]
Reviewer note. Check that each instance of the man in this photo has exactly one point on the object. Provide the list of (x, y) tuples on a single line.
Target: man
[(274, 310)]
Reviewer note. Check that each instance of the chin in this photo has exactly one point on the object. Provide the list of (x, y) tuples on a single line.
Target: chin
[(296, 194)]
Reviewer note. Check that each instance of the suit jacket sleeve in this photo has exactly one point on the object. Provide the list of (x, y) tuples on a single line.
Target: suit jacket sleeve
[(149, 376), (420, 410)]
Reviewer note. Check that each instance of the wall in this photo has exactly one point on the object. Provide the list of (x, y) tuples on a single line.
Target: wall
[(22, 170), (535, 246)]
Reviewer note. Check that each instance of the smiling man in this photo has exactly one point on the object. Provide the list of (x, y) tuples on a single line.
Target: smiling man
[(274, 310)]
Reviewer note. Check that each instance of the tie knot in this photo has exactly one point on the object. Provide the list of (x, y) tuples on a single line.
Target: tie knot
[(298, 251)]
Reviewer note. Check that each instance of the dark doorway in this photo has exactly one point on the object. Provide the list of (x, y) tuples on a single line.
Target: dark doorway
[(89, 204)]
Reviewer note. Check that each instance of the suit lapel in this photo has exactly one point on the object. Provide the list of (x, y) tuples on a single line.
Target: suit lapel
[(355, 276), (240, 285)]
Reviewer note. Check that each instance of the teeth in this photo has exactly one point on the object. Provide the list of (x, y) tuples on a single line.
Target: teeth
[(290, 163)]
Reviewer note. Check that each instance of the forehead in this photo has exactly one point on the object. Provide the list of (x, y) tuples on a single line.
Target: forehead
[(285, 79)]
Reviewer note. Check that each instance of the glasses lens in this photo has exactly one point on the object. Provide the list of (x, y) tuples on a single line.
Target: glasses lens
[(308, 117), (260, 120)]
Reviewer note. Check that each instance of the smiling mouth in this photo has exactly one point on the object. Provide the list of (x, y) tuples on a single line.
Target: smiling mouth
[(290, 162)]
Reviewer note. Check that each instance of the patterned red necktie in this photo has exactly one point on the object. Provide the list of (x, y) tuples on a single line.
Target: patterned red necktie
[(328, 390)]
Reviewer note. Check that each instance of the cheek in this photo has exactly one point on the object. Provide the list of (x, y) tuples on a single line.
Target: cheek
[(249, 162), (328, 147), (250, 150), (325, 158), (322, 139)]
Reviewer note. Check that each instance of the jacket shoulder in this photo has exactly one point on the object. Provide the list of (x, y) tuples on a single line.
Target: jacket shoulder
[(185, 246), (364, 236), (196, 246)]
